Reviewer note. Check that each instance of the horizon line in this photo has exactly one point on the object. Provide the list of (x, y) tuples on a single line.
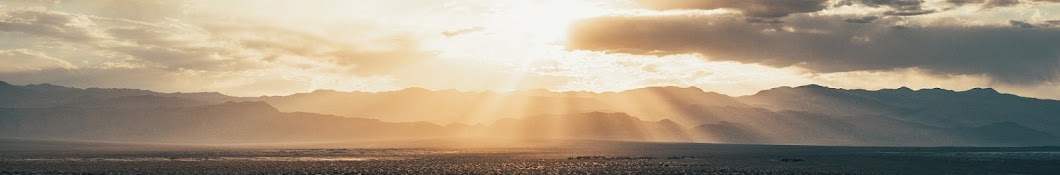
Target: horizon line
[(538, 89)]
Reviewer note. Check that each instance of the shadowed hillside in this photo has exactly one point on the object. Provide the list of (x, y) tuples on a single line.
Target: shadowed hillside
[(811, 114), (933, 107), (235, 122), (592, 126)]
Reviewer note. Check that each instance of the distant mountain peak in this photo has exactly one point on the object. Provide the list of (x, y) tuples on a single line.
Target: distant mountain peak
[(982, 91), (250, 105), (935, 90), (821, 88), (667, 88), (5, 84), (1002, 125), (668, 122), (904, 89), (814, 86), (49, 88), (47, 85), (415, 89), (600, 113), (324, 91), (681, 91)]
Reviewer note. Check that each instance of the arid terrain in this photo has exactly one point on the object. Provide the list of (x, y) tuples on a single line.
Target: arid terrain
[(566, 157)]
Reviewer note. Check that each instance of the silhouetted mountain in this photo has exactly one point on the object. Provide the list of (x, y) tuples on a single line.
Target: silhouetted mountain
[(414, 104), (811, 114), (435, 106), (1008, 133), (47, 95), (232, 122), (594, 125), (729, 132), (136, 101), (933, 107), (258, 122)]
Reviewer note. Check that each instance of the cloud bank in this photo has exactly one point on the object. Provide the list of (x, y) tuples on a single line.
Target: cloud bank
[(1015, 52)]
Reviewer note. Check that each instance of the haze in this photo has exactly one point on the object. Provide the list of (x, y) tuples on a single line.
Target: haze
[(529, 86), (254, 48)]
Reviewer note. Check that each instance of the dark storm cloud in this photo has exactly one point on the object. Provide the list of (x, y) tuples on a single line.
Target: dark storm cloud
[(829, 44), (764, 20), (862, 20), (1021, 24), (758, 10), (1024, 24), (994, 3), (908, 12), (763, 11), (985, 3), (750, 8)]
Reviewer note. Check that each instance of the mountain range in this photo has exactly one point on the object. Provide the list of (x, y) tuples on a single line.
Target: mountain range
[(804, 115)]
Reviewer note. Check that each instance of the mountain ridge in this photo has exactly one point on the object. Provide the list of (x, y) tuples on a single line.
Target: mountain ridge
[(810, 114), (987, 90)]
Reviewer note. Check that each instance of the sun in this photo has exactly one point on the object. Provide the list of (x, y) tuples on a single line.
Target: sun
[(520, 31), (518, 35), (544, 20)]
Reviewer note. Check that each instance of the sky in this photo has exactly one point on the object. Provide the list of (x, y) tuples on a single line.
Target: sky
[(734, 47)]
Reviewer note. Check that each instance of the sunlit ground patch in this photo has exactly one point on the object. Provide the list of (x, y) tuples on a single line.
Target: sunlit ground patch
[(165, 159)]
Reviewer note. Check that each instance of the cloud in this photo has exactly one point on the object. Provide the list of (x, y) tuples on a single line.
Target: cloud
[(919, 7), (994, 3), (766, 11), (920, 79), (170, 45), (50, 24), (1021, 24), (829, 44), (374, 55), (20, 60), (967, 2), (138, 48), (758, 11), (229, 47), (1028, 25), (454, 33), (751, 8), (141, 10), (898, 7), (862, 20)]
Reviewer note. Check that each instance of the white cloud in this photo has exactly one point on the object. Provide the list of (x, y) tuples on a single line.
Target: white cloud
[(20, 60)]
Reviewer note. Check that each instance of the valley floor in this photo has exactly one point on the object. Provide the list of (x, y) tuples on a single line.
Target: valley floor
[(568, 158)]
